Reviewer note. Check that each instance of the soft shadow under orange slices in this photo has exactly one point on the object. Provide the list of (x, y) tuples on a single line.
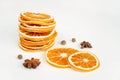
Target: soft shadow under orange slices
[(58, 57), (84, 61)]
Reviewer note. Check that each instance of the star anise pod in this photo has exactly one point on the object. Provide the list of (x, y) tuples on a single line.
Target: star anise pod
[(85, 44), (31, 63)]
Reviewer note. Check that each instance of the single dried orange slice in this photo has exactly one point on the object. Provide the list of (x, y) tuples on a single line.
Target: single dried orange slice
[(37, 20), (36, 49), (58, 57), (28, 42), (37, 36), (35, 28), (36, 16), (84, 61)]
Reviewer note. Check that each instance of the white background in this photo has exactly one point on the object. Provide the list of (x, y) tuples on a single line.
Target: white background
[(96, 21)]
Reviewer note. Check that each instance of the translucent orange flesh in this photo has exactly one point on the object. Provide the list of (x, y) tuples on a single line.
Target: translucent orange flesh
[(55, 55), (79, 60)]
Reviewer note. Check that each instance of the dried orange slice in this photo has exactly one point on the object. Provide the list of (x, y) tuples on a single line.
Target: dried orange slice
[(36, 22), (58, 57), (84, 61), (36, 16), (28, 42), (39, 46), (37, 37), (36, 49), (36, 28)]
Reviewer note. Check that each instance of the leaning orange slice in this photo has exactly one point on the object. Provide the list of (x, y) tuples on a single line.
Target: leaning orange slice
[(83, 61), (58, 57)]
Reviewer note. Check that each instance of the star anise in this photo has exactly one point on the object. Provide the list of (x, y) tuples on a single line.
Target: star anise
[(85, 44), (31, 63)]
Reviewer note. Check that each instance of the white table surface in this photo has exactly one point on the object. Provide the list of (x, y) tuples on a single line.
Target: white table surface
[(96, 21)]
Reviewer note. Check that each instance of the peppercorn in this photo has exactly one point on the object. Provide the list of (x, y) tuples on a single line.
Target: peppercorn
[(63, 42), (73, 40), (19, 56)]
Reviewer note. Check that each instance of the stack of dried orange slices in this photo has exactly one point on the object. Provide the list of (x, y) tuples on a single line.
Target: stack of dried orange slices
[(37, 31), (84, 61)]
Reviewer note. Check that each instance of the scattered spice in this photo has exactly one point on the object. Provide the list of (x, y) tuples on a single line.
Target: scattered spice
[(20, 56), (31, 63), (73, 40), (85, 44), (63, 42)]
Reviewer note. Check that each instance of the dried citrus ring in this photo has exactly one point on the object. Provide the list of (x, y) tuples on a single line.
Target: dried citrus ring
[(35, 37), (84, 61), (36, 22), (35, 28), (42, 17), (58, 57), (38, 46), (25, 48), (34, 43)]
